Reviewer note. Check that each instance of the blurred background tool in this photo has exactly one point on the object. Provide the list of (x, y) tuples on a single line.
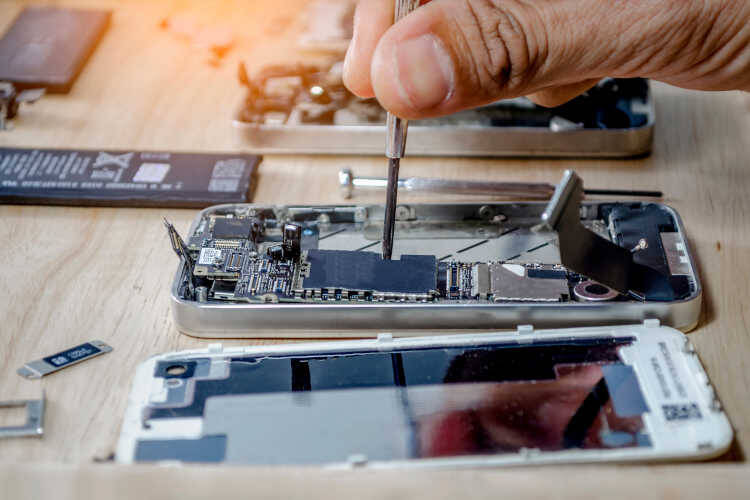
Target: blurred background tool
[(11, 100), (394, 149), (527, 190)]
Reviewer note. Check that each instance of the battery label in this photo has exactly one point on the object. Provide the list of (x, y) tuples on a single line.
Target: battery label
[(209, 256), (131, 178)]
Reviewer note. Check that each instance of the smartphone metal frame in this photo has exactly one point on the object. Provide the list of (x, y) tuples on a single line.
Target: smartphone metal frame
[(449, 140), (463, 139), (232, 320), (678, 439)]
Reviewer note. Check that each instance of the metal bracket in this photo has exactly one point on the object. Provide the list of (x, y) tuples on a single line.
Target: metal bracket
[(56, 362), (584, 252), (34, 425), (10, 99)]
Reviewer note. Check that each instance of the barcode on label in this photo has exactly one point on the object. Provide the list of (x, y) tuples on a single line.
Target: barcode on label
[(208, 256), (223, 185), (151, 172), (682, 412), (59, 360), (232, 168)]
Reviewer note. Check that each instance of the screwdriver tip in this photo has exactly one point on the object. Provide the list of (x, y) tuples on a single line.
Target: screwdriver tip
[(389, 220)]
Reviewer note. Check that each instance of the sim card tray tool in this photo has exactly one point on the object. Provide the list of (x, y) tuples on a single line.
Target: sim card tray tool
[(587, 253), (34, 425)]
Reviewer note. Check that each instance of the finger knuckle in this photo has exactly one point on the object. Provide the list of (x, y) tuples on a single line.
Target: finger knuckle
[(510, 43)]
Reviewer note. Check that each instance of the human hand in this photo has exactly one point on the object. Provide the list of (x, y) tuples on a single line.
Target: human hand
[(450, 55)]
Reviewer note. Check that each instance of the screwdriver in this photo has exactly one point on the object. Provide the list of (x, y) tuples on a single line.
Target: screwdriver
[(394, 150)]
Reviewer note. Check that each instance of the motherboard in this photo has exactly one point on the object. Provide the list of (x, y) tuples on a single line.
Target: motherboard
[(251, 254)]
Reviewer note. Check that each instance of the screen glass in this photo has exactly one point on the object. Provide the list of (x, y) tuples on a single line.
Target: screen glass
[(406, 404)]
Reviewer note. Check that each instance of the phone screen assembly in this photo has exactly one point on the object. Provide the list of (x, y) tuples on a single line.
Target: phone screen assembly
[(254, 271), (621, 393)]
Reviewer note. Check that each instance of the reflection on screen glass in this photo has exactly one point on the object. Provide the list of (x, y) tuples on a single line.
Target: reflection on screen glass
[(415, 403), (571, 411)]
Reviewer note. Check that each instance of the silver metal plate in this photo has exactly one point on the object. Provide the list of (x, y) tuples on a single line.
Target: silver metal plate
[(448, 140), (508, 282), (63, 359), (34, 425)]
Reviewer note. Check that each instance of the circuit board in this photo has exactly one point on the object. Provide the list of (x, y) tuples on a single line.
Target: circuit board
[(248, 254)]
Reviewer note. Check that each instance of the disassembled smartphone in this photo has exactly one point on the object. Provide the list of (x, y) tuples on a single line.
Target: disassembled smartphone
[(605, 394), (259, 271), (305, 108)]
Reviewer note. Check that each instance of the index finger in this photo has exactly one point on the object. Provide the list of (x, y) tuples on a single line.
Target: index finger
[(372, 18)]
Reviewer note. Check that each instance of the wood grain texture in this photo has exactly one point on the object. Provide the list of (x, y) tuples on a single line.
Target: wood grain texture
[(74, 274), (686, 481)]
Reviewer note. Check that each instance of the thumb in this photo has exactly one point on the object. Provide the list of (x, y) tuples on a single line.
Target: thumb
[(450, 55)]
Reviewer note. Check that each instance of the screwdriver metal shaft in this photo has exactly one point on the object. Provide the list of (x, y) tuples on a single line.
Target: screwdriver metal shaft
[(394, 150), (348, 183), (397, 129)]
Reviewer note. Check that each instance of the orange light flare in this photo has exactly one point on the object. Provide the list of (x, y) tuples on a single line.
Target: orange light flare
[(257, 32)]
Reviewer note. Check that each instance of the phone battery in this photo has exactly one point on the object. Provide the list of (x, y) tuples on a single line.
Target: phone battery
[(47, 46), (125, 178)]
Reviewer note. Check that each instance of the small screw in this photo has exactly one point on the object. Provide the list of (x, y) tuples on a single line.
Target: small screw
[(642, 245), (486, 212), (402, 212), (360, 214)]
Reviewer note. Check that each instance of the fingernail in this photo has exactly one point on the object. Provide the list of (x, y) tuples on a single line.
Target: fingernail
[(424, 71)]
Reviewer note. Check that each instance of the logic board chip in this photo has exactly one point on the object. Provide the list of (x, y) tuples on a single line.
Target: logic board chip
[(232, 228), (337, 269)]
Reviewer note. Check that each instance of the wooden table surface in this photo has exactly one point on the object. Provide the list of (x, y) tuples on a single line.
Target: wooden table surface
[(73, 274)]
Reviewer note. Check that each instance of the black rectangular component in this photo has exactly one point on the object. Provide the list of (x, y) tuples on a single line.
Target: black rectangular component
[(124, 178), (638, 223), (334, 269), (632, 223), (551, 274), (48, 46), (232, 229)]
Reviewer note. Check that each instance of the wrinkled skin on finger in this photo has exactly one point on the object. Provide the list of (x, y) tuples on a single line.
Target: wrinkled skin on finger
[(450, 55)]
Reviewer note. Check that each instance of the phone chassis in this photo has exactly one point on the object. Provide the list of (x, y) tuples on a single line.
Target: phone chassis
[(446, 140), (502, 231)]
